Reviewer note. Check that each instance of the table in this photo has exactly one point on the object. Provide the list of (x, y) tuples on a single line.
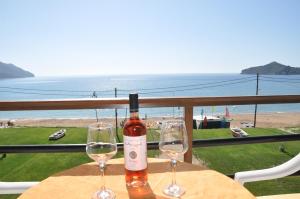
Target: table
[(82, 181)]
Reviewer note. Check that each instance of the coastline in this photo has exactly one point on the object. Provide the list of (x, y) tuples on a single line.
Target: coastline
[(264, 120)]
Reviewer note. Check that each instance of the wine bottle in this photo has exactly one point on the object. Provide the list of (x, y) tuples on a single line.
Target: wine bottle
[(135, 146)]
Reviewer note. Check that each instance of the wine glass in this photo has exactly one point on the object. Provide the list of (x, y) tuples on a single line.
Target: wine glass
[(101, 146), (173, 142)]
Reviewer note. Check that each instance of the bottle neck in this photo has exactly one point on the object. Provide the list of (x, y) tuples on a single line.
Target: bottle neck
[(134, 115)]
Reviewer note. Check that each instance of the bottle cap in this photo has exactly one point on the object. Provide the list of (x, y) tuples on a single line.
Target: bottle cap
[(134, 102)]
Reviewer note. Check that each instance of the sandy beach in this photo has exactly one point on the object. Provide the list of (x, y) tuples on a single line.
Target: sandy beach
[(269, 120), (275, 120)]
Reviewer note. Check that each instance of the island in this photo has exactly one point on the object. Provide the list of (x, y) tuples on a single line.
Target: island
[(273, 68), (12, 71)]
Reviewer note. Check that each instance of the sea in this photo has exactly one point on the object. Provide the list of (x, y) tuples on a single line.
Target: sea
[(163, 85)]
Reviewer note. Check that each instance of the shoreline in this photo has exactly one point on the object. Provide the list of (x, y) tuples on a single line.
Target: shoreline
[(264, 120)]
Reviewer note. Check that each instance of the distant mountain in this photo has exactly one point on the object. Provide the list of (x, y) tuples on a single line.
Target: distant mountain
[(12, 71), (273, 68)]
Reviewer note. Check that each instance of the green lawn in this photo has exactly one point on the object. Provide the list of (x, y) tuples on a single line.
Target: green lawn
[(29, 135), (231, 159), (226, 159)]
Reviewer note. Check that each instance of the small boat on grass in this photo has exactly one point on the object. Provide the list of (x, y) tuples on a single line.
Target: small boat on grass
[(57, 135), (237, 132), (247, 125)]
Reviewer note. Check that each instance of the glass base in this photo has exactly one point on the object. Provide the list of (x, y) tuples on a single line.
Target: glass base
[(104, 194), (174, 190)]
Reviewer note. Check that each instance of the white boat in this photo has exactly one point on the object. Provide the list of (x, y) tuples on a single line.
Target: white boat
[(57, 135), (237, 132), (247, 125)]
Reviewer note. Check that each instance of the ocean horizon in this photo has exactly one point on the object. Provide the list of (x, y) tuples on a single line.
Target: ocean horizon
[(150, 85)]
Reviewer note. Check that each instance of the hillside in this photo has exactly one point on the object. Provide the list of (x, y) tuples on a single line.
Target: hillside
[(12, 71), (273, 68)]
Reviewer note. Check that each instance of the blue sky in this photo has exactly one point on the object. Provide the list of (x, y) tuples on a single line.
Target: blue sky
[(57, 37)]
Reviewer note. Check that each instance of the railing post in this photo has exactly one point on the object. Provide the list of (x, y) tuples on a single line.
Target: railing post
[(188, 118)]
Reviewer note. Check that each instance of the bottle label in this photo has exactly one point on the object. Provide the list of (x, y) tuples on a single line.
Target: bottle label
[(135, 152)]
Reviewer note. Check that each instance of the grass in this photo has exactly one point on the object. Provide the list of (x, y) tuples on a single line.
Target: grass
[(35, 167), (231, 159), (226, 159), (15, 166), (31, 135)]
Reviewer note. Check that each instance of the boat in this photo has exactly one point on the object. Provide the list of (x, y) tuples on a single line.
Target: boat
[(247, 125), (237, 132), (57, 135)]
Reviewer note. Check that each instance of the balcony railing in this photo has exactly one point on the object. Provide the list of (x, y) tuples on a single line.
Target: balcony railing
[(188, 103), (61, 148)]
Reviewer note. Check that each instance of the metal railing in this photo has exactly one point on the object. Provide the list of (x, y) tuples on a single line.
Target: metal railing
[(62, 148)]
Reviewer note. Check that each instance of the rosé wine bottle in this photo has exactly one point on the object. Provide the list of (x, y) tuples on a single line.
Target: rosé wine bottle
[(135, 146)]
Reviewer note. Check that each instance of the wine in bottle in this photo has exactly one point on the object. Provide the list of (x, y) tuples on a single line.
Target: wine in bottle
[(135, 146)]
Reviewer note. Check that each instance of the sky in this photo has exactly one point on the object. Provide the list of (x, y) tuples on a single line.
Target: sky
[(97, 37)]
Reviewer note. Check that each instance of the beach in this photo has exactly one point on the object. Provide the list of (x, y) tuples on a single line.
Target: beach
[(264, 120), (269, 120)]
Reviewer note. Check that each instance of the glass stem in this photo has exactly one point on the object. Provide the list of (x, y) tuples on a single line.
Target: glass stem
[(102, 167), (173, 165)]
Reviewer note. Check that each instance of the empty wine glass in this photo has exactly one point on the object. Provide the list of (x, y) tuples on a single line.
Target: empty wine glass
[(101, 146), (173, 142)]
